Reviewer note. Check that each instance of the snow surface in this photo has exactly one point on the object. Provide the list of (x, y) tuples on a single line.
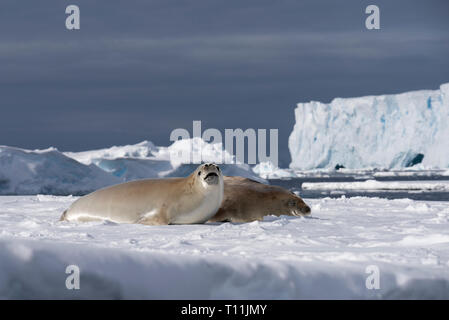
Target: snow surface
[(386, 131), (323, 256), (26, 172)]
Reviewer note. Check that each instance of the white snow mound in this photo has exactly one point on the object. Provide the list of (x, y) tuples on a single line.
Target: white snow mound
[(326, 256)]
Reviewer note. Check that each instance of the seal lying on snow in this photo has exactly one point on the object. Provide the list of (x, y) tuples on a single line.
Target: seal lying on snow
[(247, 200), (194, 199)]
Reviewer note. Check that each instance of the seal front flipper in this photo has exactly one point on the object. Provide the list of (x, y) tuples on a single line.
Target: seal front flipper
[(154, 219)]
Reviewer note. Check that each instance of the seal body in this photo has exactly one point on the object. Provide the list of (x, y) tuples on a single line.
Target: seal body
[(194, 199), (247, 200)]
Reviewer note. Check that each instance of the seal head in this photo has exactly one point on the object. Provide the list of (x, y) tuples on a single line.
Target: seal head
[(295, 205), (247, 200), (209, 173)]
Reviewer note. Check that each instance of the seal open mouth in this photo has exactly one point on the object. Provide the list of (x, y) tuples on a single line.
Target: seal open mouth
[(211, 174), (304, 211), (211, 177)]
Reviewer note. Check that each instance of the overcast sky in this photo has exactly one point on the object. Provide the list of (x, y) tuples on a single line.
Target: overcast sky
[(136, 70)]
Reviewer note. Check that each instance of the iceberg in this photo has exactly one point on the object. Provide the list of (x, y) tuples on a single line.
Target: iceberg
[(387, 131)]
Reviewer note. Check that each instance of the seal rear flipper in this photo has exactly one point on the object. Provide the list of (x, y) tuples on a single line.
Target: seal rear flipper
[(63, 216)]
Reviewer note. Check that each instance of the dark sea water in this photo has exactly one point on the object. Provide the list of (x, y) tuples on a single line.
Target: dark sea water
[(294, 184)]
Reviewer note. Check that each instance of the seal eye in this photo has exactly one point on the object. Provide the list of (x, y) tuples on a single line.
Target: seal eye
[(218, 168), (199, 173), (291, 203)]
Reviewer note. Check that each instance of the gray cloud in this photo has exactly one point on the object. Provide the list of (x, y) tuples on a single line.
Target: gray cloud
[(138, 69)]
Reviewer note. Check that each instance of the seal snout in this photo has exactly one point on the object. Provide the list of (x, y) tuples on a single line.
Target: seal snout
[(302, 209), (305, 210), (210, 173)]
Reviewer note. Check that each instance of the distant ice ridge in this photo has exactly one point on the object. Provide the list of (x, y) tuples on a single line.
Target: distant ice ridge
[(145, 160), (52, 172), (387, 131), (47, 171), (379, 185), (267, 170)]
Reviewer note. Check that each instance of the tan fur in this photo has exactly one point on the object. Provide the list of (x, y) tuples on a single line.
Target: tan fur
[(247, 200), (153, 201)]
